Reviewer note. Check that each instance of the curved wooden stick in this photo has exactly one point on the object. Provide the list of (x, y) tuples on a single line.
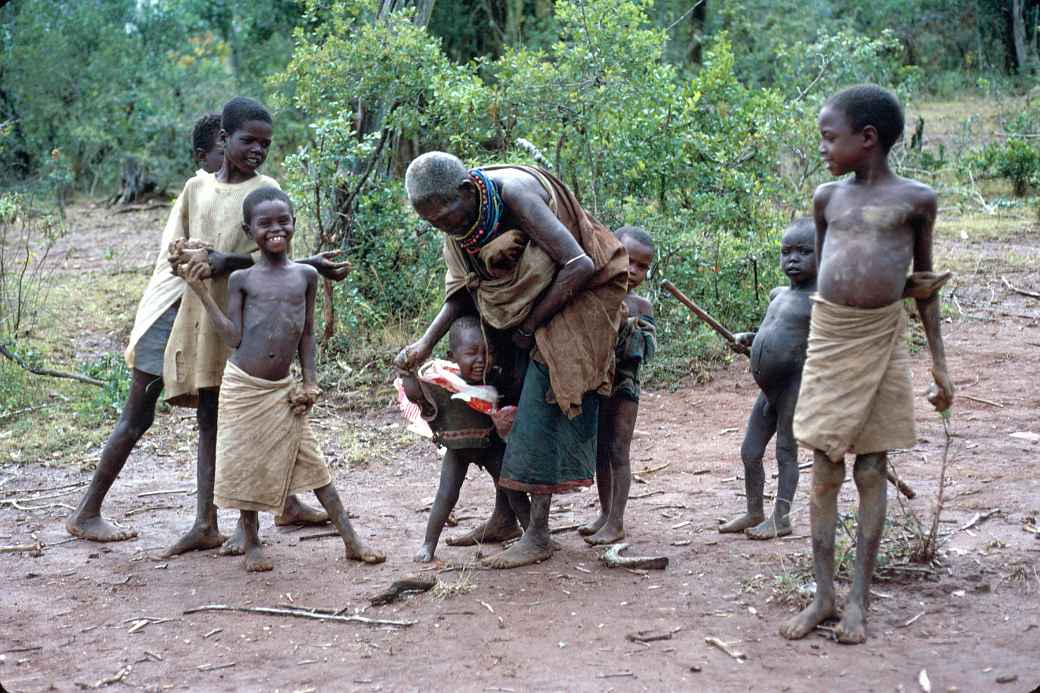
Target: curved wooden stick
[(613, 559)]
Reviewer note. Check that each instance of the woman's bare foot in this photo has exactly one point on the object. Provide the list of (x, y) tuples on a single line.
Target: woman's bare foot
[(96, 528), (524, 552), (608, 534), (852, 629), (592, 526), (198, 538), (486, 533), (770, 529), (360, 552), (808, 618), (740, 524), (236, 543), (296, 513), (255, 560)]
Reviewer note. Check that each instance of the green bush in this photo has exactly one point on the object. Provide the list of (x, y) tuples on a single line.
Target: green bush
[(1016, 160)]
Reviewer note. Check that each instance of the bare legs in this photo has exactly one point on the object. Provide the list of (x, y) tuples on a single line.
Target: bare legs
[(137, 416), (294, 513), (535, 545), (204, 533), (613, 470), (453, 473), (255, 560), (760, 429), (501, 526), (869, 473), (356, 549), (765, 420)]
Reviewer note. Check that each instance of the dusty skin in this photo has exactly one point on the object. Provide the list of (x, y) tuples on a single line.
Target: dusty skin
[(777, 357)]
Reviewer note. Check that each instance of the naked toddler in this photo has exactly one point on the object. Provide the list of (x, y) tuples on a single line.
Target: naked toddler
[(777, 357)]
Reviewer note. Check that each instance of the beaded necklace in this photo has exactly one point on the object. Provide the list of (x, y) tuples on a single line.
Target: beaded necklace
[(489, 214)]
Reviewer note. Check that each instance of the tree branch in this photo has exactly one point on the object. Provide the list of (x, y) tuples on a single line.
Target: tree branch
[(48, 371)]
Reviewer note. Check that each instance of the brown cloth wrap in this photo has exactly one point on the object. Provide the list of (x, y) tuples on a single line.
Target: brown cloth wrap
[(856, 394), (510, 274), (264, 451)]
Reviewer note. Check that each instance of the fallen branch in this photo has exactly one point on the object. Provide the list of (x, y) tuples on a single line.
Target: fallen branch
[(613, 559), (141, 208), (114, 678), (982, 401), (650, 636), (735, 654), (564, 528), (1015, 289), (50, 372), (903, 487), (301, 614), (409, 583), (320, 535), (978, 518)]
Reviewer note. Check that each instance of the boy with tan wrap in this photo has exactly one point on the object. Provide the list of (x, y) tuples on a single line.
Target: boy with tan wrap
[(856, 393)]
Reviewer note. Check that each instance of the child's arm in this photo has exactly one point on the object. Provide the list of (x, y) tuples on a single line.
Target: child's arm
[(307, 349), (413, 391), (230, 330), (940, 394)]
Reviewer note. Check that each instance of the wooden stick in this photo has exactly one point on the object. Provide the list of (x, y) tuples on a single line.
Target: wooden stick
[(903, 487), (982, 401), (49, 371), (409, 583), (1021, 292), (613, 559), (300, 614), (705, 316), (735, 654)]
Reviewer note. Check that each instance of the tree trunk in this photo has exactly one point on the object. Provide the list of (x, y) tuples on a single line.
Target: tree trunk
[(1018, 34)]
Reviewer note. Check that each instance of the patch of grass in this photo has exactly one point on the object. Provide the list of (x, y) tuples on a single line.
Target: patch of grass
[(364, 443)]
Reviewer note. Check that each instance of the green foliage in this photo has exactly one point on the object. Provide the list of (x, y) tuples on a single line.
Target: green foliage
[(108, 401), (1016, 160)]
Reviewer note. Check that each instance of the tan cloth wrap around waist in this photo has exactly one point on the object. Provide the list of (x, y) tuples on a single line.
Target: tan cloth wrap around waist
[(856, 394), (264, 451)]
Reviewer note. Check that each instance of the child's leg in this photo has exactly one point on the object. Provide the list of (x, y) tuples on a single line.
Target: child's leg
[(136, 418), (502, 525), (604, 478), (453, 473), (294, 513), (761, 426), (872, 485), (255, 560), (779, 523), (204, 533), (356, 549), (823, 516), (620, 418), (535, 545)]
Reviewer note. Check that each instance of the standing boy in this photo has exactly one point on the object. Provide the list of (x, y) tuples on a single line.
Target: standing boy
[(777, 357), (167, 350), (265, 447), (617, 416), (856, 394)]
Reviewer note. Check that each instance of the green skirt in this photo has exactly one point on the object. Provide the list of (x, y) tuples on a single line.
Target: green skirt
[(546, 452)]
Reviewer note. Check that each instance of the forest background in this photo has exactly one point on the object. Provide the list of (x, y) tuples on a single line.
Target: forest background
[(694, 120)]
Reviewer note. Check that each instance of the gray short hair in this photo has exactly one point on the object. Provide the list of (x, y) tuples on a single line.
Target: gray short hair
[(434, 174)]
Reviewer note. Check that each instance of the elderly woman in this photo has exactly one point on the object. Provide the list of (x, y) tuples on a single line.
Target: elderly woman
[(522, 253)]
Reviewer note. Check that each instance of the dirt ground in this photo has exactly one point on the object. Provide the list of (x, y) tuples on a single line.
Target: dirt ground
[(73, 615)]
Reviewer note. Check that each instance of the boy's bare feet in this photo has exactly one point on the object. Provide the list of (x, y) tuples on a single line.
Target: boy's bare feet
[(296, 513), (360, 552), (255, 560), (486, 533), (852, 629), (808, 618), (607, 534), (236, 543), (524, 552), (425, 554), (740, 524), (770, 529), (96, 528), (198, 538), (592, 526)]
